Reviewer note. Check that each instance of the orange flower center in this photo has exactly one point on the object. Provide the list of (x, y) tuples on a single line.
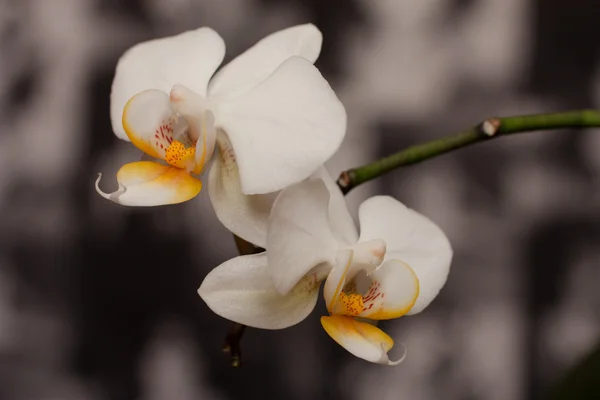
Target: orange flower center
[(180, 156), (353, 304)]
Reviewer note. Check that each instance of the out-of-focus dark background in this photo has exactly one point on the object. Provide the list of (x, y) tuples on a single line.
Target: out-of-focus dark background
[(98, 301)]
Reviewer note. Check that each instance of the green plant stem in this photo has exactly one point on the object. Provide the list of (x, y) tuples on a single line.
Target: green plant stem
[(487, 130)]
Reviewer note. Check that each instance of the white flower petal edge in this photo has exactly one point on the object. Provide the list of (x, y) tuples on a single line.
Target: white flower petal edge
[(334, 284), (241, 290), (244, 215), (143, 114), (412, 238), (189, 59), (341, 221), (361, 339), (247, 215), (284, 129), (298, 235), (258, 62)]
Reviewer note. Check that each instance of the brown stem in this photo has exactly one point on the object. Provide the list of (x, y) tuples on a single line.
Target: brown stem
[(236, 331), (232, 344)]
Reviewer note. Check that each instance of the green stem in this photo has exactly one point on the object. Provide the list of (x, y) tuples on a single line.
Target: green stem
[(489, 129)]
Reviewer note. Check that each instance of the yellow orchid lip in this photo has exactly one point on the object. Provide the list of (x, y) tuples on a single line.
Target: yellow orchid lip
[(360, 338), (146, 183)]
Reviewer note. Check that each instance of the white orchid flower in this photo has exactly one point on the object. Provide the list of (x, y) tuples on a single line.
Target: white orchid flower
[(270, 112), (396, 266)]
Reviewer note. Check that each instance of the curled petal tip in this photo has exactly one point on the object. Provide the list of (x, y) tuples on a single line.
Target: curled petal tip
[(147, 184), (361, 339), (402, 357), (114, 196)]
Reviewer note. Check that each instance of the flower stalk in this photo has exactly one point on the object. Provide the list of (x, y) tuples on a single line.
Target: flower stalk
[(488, 129), (236, 330)]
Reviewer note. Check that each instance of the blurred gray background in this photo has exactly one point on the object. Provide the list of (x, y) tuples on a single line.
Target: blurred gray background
[(99, 301)]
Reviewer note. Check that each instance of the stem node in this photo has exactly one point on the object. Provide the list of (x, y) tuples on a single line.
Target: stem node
[(490, 126)]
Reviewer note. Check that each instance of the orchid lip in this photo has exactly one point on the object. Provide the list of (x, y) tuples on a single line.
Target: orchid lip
[(181, 133)]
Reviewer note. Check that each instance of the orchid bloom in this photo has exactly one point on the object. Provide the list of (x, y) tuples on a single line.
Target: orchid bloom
[(396, 266), (271, 114)]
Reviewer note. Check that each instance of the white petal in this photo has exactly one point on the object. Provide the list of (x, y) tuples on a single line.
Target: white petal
[(336, 279), (361, 339), (205, 146), (341, 221), (245, 215), (241, 290), (298, 235), (364, 257), (195, 110), (189, 59), (367, 257), (147, 121), (412, 238), (258, 62), (146, 183), (392, 292), (284, 129)]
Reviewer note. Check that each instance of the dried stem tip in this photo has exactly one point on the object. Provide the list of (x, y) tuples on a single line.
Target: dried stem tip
[(490, 126)]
